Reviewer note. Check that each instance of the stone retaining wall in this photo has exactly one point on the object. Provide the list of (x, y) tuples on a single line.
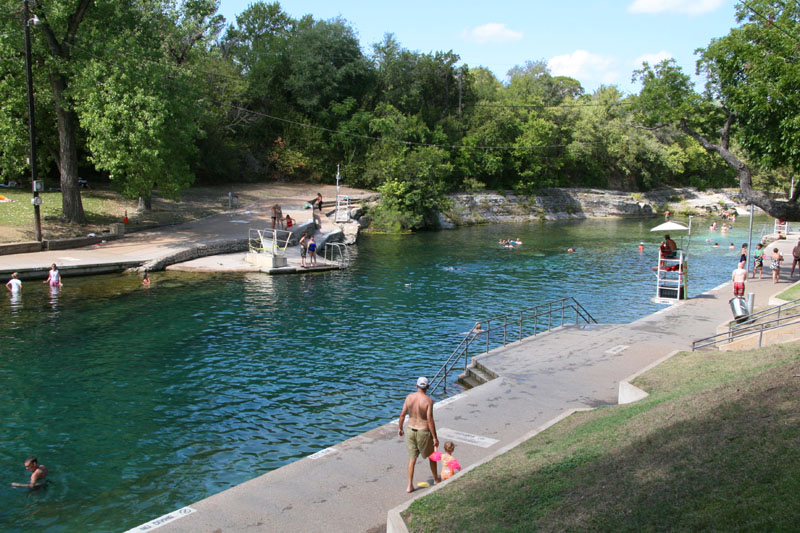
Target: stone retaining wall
[(555, 204)]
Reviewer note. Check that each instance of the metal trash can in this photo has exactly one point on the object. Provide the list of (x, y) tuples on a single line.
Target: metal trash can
[(739, 309)]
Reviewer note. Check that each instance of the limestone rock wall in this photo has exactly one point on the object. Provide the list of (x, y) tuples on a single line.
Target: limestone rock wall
[(554, 204)]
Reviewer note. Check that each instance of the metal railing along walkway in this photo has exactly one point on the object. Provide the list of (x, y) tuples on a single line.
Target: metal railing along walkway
[(785, 315), (269, 241), (514, 326)]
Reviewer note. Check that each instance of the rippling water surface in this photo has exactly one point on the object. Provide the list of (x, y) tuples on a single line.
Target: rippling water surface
[(141, 401)]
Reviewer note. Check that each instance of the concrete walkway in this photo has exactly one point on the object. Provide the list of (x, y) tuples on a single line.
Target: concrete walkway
[(352, 485), (215, 235)]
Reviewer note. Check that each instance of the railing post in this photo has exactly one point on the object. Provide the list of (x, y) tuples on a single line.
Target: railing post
[(520, 324), (535, 322), (549, 315), (505, 328), (562, 313), (760, 335), (445, 380), (488, 329), (466, 352)]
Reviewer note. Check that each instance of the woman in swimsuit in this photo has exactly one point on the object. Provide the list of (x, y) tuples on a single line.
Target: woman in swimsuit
[(775, 265)]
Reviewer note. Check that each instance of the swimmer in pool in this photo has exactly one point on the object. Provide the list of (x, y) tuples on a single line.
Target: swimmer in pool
[(38, 474)]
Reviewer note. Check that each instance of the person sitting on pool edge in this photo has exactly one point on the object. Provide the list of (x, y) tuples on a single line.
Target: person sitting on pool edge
[(38, 474)]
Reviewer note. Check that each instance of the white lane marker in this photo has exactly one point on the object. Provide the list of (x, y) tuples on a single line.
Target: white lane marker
[(616, 349), (240, 221), (161, 520), (322, 453), (69, 258), (464, 438)]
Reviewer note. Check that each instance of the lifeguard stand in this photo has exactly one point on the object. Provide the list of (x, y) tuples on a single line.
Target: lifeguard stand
[(671, 278), (781, 227), (672, 269), (342, 213)]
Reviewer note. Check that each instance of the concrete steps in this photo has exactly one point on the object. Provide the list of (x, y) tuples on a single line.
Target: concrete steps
[(475, 375)]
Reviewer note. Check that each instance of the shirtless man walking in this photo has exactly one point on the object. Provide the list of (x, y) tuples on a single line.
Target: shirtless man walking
[(421, 437)]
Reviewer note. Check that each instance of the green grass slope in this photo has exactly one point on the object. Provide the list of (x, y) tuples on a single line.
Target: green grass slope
[(716, 446)]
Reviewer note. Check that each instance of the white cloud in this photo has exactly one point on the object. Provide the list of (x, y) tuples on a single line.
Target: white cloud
[(689, 7), (652, 59), (585, 66), (492, 33)]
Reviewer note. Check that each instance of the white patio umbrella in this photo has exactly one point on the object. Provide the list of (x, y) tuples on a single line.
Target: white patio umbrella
[(670, 226), (675, 226)]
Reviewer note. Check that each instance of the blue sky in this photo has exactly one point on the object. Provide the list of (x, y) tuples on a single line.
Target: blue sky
[(596, 42)]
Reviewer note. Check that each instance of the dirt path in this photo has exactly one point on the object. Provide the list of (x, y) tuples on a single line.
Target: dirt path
[(107, 207)]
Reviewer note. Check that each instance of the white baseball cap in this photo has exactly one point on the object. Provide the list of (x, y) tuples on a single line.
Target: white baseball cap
[(422, 382)]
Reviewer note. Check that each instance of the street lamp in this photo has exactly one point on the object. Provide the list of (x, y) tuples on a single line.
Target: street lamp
[(35, 183)]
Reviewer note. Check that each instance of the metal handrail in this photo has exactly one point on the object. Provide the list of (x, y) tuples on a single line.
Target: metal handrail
[(269, 241), (340, 251), (752, 329), (777, 309), (529, 314)]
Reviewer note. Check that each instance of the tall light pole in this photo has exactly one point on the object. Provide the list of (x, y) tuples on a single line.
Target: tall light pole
[(36, 201)]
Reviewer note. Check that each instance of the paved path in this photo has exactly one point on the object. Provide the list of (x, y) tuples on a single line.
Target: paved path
[(351, 486), (169, 244)]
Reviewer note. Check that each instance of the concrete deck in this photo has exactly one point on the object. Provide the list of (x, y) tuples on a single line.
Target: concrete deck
[(352, 485), (211, 244)]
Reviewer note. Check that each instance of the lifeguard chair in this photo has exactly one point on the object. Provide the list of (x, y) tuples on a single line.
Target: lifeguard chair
[(672, 269)]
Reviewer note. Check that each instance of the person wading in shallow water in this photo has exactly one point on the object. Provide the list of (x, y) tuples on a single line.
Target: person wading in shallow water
[(38, 474), (421, 436)]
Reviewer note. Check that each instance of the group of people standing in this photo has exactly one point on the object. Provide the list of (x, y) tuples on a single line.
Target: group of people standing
[(739, 275), (308, 247), (776, 259), (14, 285)]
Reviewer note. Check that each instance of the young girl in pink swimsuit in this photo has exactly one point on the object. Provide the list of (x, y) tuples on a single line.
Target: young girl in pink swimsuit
[(449, 463)]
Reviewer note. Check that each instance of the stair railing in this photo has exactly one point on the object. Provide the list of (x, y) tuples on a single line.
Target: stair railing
[(512, 326), (785, 314)]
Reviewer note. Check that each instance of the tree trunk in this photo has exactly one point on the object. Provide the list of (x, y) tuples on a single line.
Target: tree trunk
[(781, 209), (68, 155)]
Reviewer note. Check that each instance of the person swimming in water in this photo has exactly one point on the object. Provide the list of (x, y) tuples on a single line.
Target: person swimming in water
[(38, 474)]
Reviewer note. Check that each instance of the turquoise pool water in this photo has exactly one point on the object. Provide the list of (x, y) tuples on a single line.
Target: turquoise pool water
[(141, 401)]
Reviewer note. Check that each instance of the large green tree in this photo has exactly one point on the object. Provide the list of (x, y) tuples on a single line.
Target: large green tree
[(751, 98)]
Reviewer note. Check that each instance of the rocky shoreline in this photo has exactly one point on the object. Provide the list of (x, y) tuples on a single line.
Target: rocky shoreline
[(486, 207)]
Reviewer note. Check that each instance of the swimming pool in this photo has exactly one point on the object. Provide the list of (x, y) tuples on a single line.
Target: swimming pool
[(141, 401)]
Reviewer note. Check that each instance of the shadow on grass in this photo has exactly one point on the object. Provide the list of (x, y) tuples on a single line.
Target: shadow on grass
[(725, 459)]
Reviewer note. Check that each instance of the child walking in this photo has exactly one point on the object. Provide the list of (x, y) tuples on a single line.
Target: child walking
[(449, 463)]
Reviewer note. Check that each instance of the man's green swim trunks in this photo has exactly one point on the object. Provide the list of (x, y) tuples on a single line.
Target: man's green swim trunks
[(419, 441)]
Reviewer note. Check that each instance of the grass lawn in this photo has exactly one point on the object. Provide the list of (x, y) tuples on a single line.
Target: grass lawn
[(102, 207), (716, 446), (792, 293)]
